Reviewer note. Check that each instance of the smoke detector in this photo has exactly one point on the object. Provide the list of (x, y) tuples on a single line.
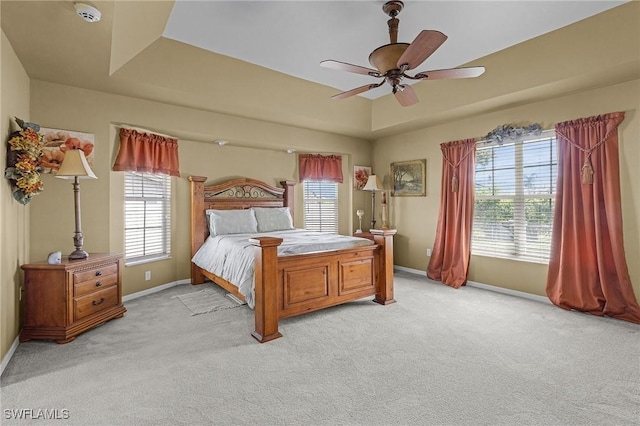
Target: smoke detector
[(86, 12)]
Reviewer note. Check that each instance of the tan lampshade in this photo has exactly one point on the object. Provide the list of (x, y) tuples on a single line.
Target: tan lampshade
[(75, 164), (373, 184)]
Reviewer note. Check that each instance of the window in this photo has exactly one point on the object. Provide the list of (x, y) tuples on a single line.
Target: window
[(321, 206), (147, 213), (515, 192)]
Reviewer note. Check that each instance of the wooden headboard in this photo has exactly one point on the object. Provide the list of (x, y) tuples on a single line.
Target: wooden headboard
[(240, 193)]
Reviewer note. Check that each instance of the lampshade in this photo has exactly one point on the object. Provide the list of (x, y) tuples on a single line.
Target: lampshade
[(373, 184), (75, 164)]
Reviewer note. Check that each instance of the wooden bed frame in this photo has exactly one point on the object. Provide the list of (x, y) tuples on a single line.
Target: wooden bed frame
[(291, 285)]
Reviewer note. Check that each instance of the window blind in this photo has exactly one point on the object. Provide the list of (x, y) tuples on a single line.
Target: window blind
[(321, 206), (515, 192), (147, 216)]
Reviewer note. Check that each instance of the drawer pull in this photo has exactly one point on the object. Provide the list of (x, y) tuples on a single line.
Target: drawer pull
[(98, 283), (97, 303), (98, 273)]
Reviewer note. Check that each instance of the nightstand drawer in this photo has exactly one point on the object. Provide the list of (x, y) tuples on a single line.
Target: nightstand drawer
[(95, 302), (95, 273), (95, 283)]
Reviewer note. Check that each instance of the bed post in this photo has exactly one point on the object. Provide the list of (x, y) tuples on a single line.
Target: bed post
[(288, 195), (266, 288), (384, 286), (198, 223)]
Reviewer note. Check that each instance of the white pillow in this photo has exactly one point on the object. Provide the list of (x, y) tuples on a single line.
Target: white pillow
[(273, 219), (223, 222)]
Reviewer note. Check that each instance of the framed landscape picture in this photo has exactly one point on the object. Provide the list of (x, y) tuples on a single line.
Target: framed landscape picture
[(408, 178)]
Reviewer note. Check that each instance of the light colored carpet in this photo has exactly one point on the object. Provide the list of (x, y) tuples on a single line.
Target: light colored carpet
[(207, 301), (439, 356)]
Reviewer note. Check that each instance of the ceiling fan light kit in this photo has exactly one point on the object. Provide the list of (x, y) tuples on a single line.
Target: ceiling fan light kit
[(391, 61)]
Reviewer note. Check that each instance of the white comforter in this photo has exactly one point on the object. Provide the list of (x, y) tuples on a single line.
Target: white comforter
[(231, 256)]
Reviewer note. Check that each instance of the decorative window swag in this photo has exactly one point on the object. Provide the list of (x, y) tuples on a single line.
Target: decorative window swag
[(511, 132)]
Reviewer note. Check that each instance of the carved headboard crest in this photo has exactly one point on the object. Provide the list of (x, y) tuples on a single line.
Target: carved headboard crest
[(242, 191)]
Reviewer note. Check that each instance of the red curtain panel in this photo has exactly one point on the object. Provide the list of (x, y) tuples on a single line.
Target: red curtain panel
[(587, 270), (449, 261)]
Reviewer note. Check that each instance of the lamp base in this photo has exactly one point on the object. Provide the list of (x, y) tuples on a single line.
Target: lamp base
[(78, 254), (358, 231)]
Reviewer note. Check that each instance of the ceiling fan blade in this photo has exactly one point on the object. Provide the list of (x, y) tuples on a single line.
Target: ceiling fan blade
[(343, 66), (356, 91), (407, 96), (451, 73), (427, 42)]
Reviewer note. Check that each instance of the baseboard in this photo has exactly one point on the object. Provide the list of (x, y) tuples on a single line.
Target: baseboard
[(509, 292), (409, 270), (482, 286), (7, 357), (152, 290)]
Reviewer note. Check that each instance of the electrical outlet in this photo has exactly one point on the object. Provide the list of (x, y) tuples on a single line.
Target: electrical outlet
[(428, 252), (20, 294), (147, 275)]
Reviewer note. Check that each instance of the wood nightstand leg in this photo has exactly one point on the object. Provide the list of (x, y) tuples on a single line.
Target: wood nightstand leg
[(63, 341)]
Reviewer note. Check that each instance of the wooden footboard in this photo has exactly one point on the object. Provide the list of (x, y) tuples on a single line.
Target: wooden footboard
[(292, 285)]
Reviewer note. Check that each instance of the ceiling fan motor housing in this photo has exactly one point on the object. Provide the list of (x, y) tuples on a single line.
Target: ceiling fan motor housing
[(385, 58)]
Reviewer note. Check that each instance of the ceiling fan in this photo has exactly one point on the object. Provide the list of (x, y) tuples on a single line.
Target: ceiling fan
[(394, 59)]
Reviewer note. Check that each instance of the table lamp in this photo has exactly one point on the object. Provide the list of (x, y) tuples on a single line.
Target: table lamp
[(75, 165), (373, 185)]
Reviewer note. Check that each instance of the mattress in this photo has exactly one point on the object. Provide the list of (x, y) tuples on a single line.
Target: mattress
[(231, 257)]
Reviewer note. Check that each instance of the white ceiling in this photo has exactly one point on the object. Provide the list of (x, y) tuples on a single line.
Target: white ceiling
[(294, 36)]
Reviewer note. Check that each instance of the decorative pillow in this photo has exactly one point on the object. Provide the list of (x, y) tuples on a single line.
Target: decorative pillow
[(273, 219), (223, 222)]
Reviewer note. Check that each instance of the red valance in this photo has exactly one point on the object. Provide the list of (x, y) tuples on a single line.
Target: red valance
[(320, 167), (147, 153)]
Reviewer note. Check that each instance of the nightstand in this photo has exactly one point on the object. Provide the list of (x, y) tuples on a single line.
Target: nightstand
[(62, 301)]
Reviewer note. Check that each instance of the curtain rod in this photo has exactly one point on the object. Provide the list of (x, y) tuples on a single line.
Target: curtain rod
[(143, 130)]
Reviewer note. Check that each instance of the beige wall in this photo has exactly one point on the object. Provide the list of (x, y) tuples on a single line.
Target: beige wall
[(14, 217), (65, 107), (416, 217)]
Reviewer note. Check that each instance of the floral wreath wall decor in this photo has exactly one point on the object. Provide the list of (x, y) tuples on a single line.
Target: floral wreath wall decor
[(24, 161)]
